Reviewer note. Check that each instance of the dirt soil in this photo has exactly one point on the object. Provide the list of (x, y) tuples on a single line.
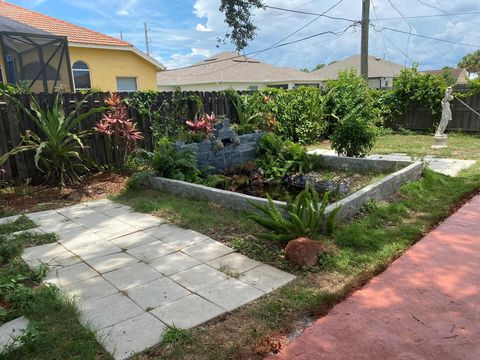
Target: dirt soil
[(27, 198)]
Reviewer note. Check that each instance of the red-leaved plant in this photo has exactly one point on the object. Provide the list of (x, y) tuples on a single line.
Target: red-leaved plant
[(203, 124), (119, 128)]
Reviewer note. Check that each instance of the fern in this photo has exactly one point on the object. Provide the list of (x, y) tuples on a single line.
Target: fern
[(304, 217)]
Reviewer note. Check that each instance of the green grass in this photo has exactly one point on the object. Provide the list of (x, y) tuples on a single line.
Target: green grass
[(55, 332), (361, 249)]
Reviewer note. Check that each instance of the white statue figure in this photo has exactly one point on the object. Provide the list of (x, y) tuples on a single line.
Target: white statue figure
[(446, 112)]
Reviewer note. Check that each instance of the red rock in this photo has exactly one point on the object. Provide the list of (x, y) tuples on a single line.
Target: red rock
[(304, 251)]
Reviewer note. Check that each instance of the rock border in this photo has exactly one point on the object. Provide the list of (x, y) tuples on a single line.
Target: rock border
[(379, 190)]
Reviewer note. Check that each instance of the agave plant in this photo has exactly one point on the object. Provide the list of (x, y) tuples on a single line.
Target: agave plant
[(304, 216), (57, 144)]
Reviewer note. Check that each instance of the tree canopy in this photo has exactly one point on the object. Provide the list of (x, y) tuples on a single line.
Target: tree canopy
[(238, 16), (471, 62)]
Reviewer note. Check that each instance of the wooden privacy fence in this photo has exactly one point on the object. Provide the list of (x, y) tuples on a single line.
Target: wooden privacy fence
[(21, 166)]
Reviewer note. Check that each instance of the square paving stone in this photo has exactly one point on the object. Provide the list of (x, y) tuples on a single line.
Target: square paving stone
[(173, 263), (235, 261), (162, 231), (199, 277), (44, 252), (183, 238), (230, 294), (97, 221), (107, 311), (139, 220), (78, 237), (11, 331), (93, 288), (96, 250), (207, 250), (10, 219), (121, 210), (117, 231), (151, 251), (112, 262), (132, 276), (187, 312), (132, 336), (59, 226), (266, 278), (46, 217), (70, 274), (157, 293), (76, 211), (134, 240)]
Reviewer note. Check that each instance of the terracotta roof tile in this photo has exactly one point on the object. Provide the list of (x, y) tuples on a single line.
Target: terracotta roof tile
[(74, 33)]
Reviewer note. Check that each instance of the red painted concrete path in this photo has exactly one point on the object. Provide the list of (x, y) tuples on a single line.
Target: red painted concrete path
[(426, 305)]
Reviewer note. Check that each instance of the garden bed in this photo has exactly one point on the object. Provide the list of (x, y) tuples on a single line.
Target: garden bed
[(402, 172)]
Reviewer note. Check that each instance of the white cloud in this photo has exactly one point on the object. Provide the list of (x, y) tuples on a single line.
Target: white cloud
[(123, 12), (202, 28)]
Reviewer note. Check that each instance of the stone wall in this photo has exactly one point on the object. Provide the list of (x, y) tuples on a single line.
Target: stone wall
[(361, 165), (378, 191), (227, 157)]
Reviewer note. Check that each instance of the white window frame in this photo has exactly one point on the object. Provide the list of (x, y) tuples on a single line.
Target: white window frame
[(127, 77), (81, 70)]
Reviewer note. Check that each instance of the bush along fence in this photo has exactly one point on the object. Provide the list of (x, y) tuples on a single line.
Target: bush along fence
[(160, 114)]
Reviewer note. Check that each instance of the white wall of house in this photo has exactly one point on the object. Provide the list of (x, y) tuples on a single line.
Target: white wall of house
[(235, 86)]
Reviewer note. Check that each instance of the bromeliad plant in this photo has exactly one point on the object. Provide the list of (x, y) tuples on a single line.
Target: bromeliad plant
[(121, 130), (56, 141), (203, 124), (305, 216)]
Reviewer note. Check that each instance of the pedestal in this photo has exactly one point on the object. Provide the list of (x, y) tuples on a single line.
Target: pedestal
[(440, 142)]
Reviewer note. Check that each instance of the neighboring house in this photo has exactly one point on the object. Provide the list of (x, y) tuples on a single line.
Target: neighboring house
[(380, 72), (44, 52), (460, 75), (228, 70)]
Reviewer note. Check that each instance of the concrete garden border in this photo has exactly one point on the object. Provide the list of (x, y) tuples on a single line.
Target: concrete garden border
[(379, 190)]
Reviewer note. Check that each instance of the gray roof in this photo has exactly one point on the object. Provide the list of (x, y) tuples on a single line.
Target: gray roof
[(228, 67), (377, 67)]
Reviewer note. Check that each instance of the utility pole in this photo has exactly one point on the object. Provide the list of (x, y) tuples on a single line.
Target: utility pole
[(364, 46), (147, 45), (121, 35)]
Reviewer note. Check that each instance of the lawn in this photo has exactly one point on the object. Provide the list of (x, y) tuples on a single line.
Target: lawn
[(358, 250), (55, 331)]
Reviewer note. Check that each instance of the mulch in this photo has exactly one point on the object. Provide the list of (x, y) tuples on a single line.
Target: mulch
[(28, 198)]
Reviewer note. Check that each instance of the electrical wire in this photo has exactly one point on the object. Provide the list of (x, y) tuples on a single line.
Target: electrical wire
[(410, 28)]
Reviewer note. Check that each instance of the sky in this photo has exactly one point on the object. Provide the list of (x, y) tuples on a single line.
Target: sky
[(183, 32)]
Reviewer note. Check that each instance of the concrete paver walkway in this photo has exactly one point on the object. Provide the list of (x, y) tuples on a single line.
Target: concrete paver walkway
[(450, 167), (134, 274), (426, 305)]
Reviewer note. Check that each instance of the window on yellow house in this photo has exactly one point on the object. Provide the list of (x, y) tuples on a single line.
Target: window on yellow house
[(81, 76), (126, 84)]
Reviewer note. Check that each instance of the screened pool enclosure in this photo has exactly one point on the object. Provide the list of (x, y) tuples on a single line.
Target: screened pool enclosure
[(33, 58)]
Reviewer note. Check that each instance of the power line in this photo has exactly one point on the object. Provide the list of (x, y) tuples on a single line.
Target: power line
[(425, 36), (310, 13), (431, 16), (410, 29)]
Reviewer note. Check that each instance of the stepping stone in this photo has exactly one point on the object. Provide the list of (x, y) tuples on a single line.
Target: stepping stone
[(156, 293), (93, 288), (46, 217), (235, 261), (132, 336), (187, 312), (163, 231), (78, 237), (11, 331), (59, 226), (97, 222), (132, 276), (151, 251), (230, 294), (121, 210), (207, 250), (199, 277), (44, 253), (34, 231), (70, 275), (96, 250), (183, 238), (173, 263), (76, 211), (112, 262), (9, 219), (107, 311), (141, 221), (266, 278), (134, 240)]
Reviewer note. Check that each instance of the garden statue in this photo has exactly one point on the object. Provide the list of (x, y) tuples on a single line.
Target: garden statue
[(440, 136)]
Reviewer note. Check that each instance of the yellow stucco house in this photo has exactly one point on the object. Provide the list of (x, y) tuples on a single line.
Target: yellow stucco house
[(43, 53)]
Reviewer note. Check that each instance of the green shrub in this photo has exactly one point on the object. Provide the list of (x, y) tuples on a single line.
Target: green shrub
[(355, 134), (279, 158), (170, 162), (304, 217)]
